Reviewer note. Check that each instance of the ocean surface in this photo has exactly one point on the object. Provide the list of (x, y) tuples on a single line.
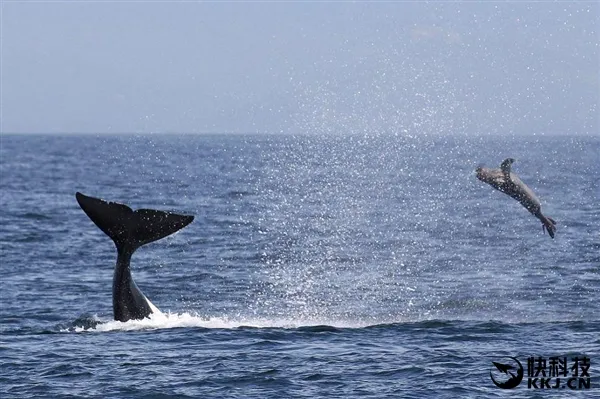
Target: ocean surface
[(337, 266)]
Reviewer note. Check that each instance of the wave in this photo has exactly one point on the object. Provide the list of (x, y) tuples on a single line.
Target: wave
[(161, 320)]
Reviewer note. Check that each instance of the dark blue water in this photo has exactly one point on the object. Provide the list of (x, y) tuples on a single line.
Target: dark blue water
[(316, 267)]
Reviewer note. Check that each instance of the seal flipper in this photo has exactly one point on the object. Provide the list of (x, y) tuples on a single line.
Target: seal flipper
[(548, 224), (128, 229)]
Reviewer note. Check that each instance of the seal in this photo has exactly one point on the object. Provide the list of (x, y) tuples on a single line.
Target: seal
[(130, 230), (509, 183)]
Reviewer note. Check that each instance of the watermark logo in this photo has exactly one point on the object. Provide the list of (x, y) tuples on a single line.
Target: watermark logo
[(543, 373), (507, 374)]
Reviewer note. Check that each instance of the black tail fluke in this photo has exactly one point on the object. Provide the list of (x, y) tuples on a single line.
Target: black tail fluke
[(131, 229)]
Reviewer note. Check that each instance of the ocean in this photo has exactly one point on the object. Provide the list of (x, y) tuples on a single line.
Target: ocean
[(338, 266)]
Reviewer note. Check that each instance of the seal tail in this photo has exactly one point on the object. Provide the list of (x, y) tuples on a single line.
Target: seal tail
[(128, 229), (548, 224)]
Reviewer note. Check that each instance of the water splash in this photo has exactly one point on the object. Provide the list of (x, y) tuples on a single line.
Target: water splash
[(158, 321)]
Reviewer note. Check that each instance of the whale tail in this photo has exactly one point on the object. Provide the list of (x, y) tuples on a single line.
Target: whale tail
[(548, 224), (131, 229)]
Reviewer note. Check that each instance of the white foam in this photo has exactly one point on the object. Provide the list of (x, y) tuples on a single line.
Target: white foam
[(161, 320)]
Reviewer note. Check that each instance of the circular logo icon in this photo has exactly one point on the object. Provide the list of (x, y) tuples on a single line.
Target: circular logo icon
[(507, 374)]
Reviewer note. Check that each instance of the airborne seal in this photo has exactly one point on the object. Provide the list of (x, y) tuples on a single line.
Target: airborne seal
[(509, 183)]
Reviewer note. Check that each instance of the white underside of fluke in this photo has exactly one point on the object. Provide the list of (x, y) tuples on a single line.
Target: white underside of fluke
[(154, 309)]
